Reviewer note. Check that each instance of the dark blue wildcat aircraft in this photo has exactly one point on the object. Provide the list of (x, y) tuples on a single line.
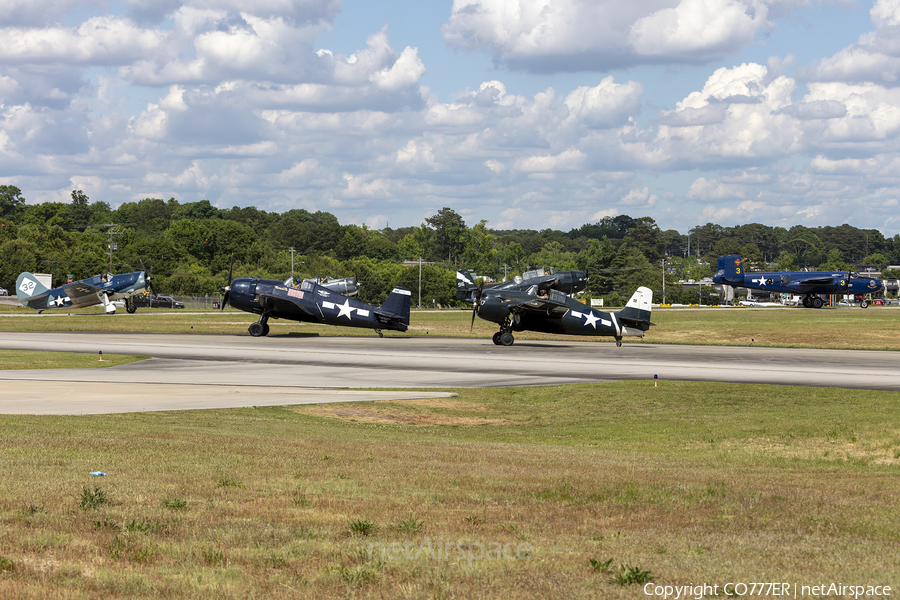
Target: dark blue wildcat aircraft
[(540, 303), (99, 289), (809, 284), (315, 301)]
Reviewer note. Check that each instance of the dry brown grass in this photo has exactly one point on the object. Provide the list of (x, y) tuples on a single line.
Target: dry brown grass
[(411, 412)]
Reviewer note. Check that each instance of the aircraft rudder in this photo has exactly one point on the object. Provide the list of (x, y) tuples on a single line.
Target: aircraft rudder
[(639, 306), (729, 269), (398, 303), (27, 286)]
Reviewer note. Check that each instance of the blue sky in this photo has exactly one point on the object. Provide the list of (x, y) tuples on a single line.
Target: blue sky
[(523, 113)]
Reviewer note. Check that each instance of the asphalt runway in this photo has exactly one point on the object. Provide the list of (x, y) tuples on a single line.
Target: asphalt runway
[(219, 371)]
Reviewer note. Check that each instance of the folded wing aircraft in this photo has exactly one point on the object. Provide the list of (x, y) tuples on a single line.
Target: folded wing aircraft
[(552, 311), (315, 301)]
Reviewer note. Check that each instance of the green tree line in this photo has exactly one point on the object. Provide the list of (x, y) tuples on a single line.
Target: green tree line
[(189, 246)]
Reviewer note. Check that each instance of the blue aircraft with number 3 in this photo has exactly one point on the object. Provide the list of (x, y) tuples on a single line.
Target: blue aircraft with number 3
[(809, 284)]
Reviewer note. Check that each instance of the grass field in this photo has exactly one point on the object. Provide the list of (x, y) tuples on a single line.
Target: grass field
[(579, 492), (875, 328), (27, 359), (584, 491)]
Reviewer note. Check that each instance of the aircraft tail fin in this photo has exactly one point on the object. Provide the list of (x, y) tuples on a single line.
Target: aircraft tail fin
[(636, 314), (465, 285), (730, 270), (396, 308), (28, 287)]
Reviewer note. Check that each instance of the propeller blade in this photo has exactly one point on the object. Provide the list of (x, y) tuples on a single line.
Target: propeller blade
[(148, 277), (476, 304), (227, 288)]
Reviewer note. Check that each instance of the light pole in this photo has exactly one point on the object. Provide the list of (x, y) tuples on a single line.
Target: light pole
[(112, 245), (664, 279)]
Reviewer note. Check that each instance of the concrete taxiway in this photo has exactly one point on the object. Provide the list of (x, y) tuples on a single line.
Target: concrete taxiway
[(219, 371)]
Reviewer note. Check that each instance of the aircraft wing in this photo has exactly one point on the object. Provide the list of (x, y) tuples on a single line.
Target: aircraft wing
[(817, 281), (78, 290), (284, 305), (816, 284), (553, 306)]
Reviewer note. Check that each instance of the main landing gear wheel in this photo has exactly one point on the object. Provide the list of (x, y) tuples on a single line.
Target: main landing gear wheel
[(864, 304), (817, 302), (806, 302), (130, 306), (507, 339), (258, 329), (496, 337)]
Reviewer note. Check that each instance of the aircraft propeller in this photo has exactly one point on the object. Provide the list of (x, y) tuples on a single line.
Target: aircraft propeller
[(148, 277), (476, 304), (227, 288)]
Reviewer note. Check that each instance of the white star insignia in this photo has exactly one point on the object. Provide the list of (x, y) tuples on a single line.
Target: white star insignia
[(591, 319), (345, 310), (59, 300), (762, 281)]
